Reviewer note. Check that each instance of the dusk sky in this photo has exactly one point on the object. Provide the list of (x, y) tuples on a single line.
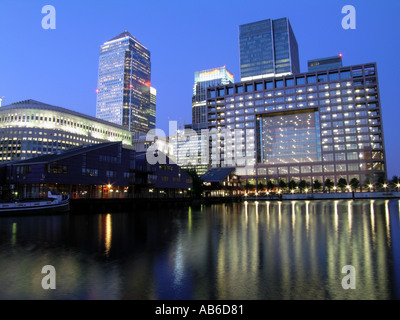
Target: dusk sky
[(59, 67)]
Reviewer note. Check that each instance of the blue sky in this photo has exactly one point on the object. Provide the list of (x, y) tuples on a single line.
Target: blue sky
[(59, 66)]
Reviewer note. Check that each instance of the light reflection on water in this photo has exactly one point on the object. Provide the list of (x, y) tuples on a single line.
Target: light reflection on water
[(250, 250)]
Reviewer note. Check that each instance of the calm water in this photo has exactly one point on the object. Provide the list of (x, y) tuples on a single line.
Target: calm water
[(255, 250)]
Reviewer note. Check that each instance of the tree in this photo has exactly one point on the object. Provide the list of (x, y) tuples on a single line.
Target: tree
[(282, 184), (197, 182), (380, 182), (260, 186), (303, 184), (292, 184), (329, 184), (270, 185), (395, 182), (367, 184), (354, 183), (342, 183), (317, 185)]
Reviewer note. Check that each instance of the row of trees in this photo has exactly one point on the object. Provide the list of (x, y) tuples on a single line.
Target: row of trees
[(328, 185), (305, 186)]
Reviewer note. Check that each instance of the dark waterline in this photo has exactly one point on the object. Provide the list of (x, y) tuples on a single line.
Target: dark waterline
[(251, 250)]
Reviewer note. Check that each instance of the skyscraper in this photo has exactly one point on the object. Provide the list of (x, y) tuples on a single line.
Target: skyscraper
[(267, 48), (152, 111), (124, 79), (325, 63), (202, 80)]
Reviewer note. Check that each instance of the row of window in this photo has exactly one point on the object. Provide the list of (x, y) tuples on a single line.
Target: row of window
[(60, 121), (292, 81)]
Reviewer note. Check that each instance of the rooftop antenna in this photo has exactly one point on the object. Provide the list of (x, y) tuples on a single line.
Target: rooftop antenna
[(1, 99)]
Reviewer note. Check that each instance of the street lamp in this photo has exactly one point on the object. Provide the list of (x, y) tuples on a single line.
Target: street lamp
[(292, 191), (335, 188), (306, 190), (370, 186), (348, 187), (398, 187), (385, 186)]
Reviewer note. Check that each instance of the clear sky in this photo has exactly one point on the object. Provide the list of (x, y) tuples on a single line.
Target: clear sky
[(59, 66)]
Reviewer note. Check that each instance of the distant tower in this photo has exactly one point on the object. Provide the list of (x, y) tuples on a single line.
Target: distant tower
[(152, 111), (202, 80), (267, 48), (325, 63), (124, 79)]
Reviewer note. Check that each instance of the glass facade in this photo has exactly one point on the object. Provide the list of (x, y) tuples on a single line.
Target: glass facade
[(203, 80), (325, 63), (325, 124), (124, 79), (289, 138), (267, 47), (152, 110), (31, 128)]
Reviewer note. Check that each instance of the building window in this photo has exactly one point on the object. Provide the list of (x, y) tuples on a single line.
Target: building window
[(269, 85), (259, 86), (54, 167), (111, 174), (290, 82), (279, 83), (249, 88), (311, 79), (90, 172)]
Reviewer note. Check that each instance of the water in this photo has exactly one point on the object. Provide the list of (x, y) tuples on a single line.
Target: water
[(254, 250)]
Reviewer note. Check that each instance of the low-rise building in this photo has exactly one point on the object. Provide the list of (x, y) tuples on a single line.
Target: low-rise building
[(221, 182), (106, 170)]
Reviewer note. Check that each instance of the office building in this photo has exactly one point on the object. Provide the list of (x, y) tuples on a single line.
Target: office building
[(202, 80), (30, 128), (325, 63), (187, 149), (124, 82), (152, 111), (267, 48), (309, 126)]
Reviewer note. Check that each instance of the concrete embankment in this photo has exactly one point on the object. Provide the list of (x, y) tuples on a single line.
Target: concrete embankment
[(330, 196)]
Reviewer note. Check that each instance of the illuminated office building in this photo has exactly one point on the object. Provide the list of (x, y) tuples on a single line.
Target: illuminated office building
[(202, 80), (124, 80), (30, 128), (309, 126), (152, 110), (187, 150), (267, 48)]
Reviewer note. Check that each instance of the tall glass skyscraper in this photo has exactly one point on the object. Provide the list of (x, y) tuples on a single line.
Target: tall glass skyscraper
[(124, 79), (267, 48), (202, 80)]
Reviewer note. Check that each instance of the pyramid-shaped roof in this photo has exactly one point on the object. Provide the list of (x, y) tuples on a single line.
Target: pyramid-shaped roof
[(123, 35)]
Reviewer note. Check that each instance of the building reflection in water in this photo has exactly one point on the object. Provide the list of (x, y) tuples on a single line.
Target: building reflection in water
[(250, 250)]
